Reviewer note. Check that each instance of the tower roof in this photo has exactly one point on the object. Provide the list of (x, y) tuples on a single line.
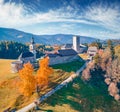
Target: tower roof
[(32, 41), (26, 54)]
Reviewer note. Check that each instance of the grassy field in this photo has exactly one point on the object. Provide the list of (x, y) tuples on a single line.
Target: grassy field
[(9, 93), (81, 97), (69, 67)]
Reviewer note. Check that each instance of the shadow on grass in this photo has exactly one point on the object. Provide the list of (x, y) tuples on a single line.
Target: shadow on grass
[(84, 98), (69, 67)]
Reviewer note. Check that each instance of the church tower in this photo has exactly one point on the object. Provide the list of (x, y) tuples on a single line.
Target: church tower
[(32, 47), (76, 43)]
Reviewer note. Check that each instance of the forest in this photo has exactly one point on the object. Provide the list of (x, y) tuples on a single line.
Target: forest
[(105, 68), (12, 50)]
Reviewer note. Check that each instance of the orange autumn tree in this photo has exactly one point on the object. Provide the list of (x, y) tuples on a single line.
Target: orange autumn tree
[(43, 72), (27, 83)]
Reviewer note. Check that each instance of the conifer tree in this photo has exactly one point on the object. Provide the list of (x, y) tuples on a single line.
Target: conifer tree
[(111, 47)]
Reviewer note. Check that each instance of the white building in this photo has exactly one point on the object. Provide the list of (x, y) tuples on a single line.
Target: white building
[(76, 43), (79, 48), (32, 47), (92, 51)]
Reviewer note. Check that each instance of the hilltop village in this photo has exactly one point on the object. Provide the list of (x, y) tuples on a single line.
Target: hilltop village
[(66, 53)]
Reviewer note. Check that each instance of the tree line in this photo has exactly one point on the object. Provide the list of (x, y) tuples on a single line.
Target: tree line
[(12, 50)]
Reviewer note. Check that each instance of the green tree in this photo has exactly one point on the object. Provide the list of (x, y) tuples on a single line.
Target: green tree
[(111, 47), (97, 44), (117, 51), (97, 59)]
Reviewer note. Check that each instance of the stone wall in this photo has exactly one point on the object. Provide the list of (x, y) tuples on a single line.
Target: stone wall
[(60, 59), (16, 66)]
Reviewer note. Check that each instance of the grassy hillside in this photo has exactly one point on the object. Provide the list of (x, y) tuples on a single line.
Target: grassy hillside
[(5, 72), (7, 84), (9, 91), (81, 97), (69, 67)]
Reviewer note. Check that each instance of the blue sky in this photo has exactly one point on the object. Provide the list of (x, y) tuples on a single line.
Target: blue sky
[(94, 18)]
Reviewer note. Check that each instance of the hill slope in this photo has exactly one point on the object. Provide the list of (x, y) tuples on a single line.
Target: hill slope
[(20, 36), (81, 97)]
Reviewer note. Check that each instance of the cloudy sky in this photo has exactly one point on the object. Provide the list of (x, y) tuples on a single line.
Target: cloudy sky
[(95, 18)]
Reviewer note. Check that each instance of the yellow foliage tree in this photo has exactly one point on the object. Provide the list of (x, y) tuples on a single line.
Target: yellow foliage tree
[(43, 72), (27, 84), (117, 51)]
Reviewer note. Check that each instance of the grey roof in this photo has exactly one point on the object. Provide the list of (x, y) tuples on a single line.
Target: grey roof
[(32, 41), (67, 46), (67, 52), (52, 55), (26, 54)]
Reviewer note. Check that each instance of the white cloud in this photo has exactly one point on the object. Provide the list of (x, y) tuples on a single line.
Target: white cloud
[(10, 14), (16, 16), (107, 16)]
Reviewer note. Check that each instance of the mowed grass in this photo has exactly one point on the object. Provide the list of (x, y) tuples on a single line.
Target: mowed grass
[(9, 88), (81, 97)]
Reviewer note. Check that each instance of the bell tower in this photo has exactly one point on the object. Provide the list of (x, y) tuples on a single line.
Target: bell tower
[(76, 43), (32, 47)]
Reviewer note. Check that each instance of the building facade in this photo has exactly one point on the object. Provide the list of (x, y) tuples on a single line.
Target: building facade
[(63, 56), (92, 51), (79, 48)]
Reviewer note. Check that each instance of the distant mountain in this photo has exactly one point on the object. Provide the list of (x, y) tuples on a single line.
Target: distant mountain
[(23, 37)]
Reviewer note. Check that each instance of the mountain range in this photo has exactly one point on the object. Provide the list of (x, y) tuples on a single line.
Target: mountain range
[(23, 37)]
